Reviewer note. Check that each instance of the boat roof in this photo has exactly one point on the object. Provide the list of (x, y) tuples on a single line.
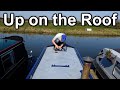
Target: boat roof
[(60, 65), (5, 43), (115, 53)]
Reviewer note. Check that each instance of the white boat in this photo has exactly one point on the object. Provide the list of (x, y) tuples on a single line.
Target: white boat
[(107, 63), (57, 65)]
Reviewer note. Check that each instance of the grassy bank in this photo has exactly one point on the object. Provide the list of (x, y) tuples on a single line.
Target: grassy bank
[(76, 30)]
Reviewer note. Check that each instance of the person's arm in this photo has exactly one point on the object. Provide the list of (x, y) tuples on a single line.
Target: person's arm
[(53, 41)]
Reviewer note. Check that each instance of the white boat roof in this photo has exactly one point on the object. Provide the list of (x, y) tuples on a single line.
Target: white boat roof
[(69, 57), (115, 53)]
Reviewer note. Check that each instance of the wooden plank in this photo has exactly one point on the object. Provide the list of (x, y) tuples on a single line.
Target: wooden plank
[(93, 74)]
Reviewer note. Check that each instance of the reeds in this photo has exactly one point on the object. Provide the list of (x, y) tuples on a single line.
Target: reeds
[(76, 30)]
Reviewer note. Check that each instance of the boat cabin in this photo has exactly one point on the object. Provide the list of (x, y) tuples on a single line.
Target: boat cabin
[(13, 59)]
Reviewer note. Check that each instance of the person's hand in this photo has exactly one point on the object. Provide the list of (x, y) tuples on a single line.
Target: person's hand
[(57, 47), (60, 47)]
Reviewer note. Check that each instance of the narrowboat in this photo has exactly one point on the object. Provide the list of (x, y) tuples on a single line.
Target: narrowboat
[(13, 58), (62, 64), (107, 63)]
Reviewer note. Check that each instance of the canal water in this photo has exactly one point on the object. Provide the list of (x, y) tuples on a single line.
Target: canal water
[(87, 46)]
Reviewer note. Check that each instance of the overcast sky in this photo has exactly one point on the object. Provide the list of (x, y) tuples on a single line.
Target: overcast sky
[(27, 14)]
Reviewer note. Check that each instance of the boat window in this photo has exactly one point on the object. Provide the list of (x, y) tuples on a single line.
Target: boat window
[(105, 62), (101, 50), (8, 60), (100, 59), (116, 70)]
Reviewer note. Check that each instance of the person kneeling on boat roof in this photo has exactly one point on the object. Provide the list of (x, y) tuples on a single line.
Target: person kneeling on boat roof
[(59, 41)]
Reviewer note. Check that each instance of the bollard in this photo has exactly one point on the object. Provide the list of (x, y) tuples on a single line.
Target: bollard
[(86, 68)]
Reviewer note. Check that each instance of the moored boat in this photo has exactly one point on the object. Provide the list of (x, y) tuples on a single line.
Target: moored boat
[(13, 58), (107, 63)]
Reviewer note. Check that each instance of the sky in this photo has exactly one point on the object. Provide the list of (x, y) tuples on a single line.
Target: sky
[(77, 14)]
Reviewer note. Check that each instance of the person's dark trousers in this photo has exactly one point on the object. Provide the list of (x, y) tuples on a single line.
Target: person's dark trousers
[(59, 44)]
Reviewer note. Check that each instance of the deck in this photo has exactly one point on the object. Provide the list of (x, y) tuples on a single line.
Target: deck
[(61, 65)]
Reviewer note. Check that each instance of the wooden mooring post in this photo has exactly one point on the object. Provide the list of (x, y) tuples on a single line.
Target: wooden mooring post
[(86, 68)]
